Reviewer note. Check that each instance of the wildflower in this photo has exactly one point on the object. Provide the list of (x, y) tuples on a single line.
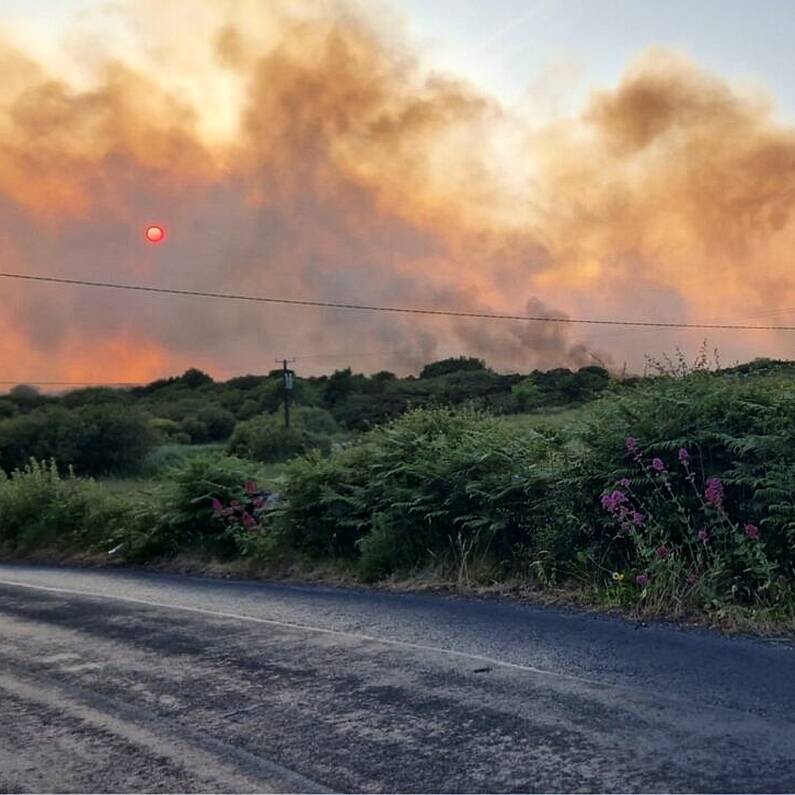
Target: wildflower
[(618, 576), (218, 506), (751, 530), (632, 444), (684, 456), (234, 504), (624, 483), (259, 502), (248, 521), (714, 492), (692, 579), (703, 535), (638, 518), (658, 465), (642, 580), (251, 487), (662, 551), (612, 502)]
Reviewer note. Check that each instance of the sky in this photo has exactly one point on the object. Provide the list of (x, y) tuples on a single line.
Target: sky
[(576, 158), (507, 46)]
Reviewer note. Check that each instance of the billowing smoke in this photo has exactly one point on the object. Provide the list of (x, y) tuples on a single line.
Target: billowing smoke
[(300, 150)]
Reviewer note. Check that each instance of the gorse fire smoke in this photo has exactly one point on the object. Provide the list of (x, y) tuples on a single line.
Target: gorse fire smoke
[(301, 150)]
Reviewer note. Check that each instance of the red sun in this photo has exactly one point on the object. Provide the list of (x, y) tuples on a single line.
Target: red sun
[(155, 234)]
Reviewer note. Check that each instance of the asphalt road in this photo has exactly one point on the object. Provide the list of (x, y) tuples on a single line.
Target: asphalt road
[(129, 681)]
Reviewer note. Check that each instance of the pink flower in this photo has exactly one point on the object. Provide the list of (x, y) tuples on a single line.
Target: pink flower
[(624, 482), (638, 518), (642, 580), (259, 502), (249, 522), (251, 487), (751, 530), (612, 502), (217, 506), (714, 492), (662, 551), (684, 456), (658, 465), (703, 535), (632, 444)]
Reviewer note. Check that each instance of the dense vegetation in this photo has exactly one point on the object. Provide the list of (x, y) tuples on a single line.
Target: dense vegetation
[(100, 431), (670, 493)]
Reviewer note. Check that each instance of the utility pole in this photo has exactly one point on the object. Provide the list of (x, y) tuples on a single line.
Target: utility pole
[(287, 384)]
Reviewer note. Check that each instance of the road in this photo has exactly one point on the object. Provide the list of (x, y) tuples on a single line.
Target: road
[(119, 680)]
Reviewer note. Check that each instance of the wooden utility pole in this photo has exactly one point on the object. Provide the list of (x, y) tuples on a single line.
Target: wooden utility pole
[(287, 384)]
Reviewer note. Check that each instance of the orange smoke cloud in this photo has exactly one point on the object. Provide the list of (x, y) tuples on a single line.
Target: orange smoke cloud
[(302, 151)]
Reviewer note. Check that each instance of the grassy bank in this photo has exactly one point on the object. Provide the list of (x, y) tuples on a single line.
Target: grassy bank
[(673, 499)]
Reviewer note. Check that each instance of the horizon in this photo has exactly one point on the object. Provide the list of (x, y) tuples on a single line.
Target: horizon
[(54, 388)]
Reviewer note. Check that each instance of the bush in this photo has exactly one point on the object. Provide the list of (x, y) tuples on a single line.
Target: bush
[(452, 365), (171, 456), (95, 396), (265, 438), (7, 409), (41, 509), (182, 517), (195, 430), (95, 440), (740, 432), (219, 423), (432, 485), (164, 430)]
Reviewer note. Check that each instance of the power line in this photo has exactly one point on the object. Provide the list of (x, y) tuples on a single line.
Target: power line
[(392, 309)]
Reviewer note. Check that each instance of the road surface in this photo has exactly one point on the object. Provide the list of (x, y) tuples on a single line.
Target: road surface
[(118, 680)]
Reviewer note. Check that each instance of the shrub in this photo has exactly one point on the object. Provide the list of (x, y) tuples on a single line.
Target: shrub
[(183, 518), (164, 430), (195, 429), (219, 423), (738, 431), (265, 438), (94, 440), (7, 409), (528, 395), (452, 365), (41, 509), (95, 396), (431, 485), (170, 456)]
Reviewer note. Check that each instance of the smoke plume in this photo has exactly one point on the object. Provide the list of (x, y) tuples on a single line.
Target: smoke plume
[(302, 150)]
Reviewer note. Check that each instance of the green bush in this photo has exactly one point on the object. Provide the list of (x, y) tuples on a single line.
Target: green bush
[(457, 364), (740, 431), (265, 438), (431, 485), (181, 516), (94, 440), (218, 421), (7, 409), (41, 509), (170, 456)]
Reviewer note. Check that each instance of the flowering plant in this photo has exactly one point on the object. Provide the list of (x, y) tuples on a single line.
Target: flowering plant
[(679, 537), (248, 513)]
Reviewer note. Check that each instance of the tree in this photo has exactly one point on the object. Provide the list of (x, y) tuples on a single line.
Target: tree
[(452, 365), (219, 423), (194, 378), (24, 393)]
